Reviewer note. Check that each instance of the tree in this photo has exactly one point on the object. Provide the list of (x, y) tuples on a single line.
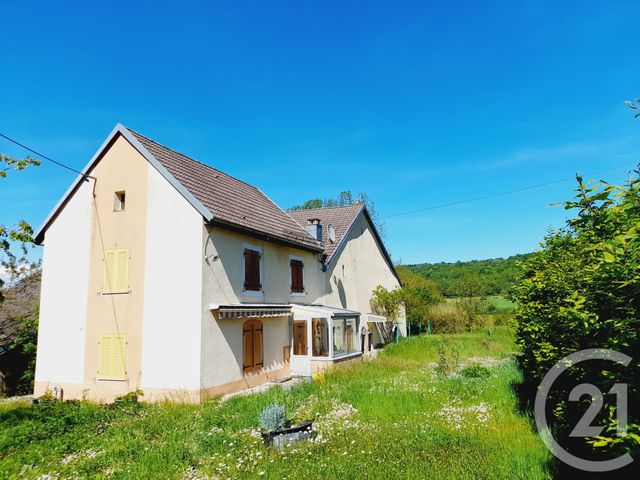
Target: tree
[(471, 288), (16, 239), (344, 199), (387, 303), (582, 290), (418, 294)]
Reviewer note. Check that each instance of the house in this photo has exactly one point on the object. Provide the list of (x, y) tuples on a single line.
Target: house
[(163, 274)]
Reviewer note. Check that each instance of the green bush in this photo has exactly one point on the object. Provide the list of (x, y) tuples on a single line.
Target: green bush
[(475, 370), (582, 290), (463, 315)]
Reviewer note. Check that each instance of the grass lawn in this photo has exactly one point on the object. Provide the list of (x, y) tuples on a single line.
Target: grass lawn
[(399, 416), (500, 302)]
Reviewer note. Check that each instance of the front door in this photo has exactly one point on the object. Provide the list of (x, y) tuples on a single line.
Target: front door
[(300, 360)]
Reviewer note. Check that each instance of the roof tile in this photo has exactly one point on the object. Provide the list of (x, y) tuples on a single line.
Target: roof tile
[(230, 200), (340, 218)]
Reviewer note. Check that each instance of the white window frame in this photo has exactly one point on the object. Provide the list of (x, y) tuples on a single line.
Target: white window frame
[(255, 248), (304, 280)]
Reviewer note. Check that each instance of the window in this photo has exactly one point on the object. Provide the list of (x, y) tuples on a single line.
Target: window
[(297, 275), (338, 337), (320, 335), (252, 346), (112, 358), (116, 271), (118, 202), (345, 336), (252, 282)]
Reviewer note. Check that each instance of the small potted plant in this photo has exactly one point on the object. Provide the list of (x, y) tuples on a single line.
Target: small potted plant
[(276, 429)]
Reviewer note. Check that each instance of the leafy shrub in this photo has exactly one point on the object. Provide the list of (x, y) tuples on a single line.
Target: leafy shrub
[(456, 317), (582, 290), (446, 318), (475, 370), (131, 397), (503, 318), (273, 418), (448, 359)]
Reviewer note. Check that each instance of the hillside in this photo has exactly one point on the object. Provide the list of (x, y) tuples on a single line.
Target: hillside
[(498, 274)]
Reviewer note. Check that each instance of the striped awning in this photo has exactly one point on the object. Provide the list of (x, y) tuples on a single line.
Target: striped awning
[(257, 310)]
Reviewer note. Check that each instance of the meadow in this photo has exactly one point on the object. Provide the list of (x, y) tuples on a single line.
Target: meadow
[(437, 407)]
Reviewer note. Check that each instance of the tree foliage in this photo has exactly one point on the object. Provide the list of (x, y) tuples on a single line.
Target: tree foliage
[(582, 290), (8, 163), (496, 274), (387, 303), (418, 294), (15, 240), (21, 354)]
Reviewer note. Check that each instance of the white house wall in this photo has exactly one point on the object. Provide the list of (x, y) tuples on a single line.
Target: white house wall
[(359, 267), (63, 302), (223, 278), (171, 323)]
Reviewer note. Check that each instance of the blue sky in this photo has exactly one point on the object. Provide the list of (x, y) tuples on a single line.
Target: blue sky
[(415, 103)]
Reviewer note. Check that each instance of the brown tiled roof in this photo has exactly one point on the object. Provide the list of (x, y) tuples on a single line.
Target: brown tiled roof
[(341, 218), (231, 201)]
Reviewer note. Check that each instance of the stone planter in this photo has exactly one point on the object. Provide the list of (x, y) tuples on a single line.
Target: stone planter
[(287, 436)]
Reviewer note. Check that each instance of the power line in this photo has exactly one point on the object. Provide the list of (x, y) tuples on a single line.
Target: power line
[(499, 194), (44, 156)]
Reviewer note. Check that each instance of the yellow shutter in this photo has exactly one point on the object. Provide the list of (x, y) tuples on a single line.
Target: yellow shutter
[(112, 356), (122, 271), (116, 271), (109, 271)]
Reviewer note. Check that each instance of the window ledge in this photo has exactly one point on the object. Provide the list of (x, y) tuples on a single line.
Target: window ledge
[(116, 293), (112, 379), (298, 294)]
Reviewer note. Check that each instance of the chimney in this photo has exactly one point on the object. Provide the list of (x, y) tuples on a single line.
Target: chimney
[(314, 228)]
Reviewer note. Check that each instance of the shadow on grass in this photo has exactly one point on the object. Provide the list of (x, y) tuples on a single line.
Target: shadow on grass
[(526, 394)]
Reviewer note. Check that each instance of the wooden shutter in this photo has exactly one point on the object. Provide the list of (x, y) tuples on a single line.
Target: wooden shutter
[(257, 345), (247, 347), (297, 283), (252, 270), (116, 271), (252, 349), (112, 357)]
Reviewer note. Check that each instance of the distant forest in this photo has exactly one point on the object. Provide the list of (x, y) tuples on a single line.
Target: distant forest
[(496, 274)]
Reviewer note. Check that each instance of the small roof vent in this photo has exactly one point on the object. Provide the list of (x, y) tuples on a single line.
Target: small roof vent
[(331, 233)]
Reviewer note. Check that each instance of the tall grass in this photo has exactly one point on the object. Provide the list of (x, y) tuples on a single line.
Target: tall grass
[(394, 417)]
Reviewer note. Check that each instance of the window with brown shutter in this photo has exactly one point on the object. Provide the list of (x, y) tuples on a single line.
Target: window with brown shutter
[(297, 282), (252, 270), (252, 354)]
